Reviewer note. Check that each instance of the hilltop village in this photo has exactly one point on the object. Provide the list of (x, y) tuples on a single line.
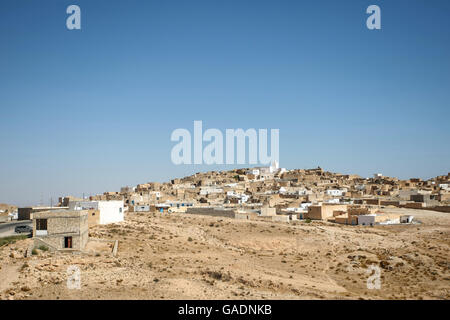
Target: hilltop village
[(284, 195), (261, 193), (253, 233)]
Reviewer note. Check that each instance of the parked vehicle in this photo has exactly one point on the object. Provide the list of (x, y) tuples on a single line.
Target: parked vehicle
[(23, 229)]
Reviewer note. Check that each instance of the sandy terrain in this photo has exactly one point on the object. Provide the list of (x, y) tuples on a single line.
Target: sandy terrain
[(197, 257)]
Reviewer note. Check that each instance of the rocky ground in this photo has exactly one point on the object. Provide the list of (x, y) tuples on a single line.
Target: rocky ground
[(176, 256)]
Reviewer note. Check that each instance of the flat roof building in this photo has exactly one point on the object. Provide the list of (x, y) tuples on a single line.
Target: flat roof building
[(26, 213), (61, 229), (324, 211), (109, 211)]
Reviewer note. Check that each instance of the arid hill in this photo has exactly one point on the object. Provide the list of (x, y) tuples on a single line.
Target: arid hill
[(181, 256)]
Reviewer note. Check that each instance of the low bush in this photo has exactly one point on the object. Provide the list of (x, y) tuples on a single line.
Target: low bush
[(11, 239)]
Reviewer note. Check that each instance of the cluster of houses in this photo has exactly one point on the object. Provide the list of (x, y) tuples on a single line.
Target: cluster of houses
[(7, 213), (267, 193), (354, 215), (292, 194), (66, 227)]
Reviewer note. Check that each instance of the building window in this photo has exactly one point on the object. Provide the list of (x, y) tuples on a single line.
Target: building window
[(120, 210), (68, 242), (41, 224)]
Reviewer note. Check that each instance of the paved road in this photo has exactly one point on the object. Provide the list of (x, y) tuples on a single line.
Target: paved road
[(7, 229)]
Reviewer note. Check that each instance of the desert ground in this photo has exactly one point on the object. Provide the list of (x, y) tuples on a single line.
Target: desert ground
[(180, 256)]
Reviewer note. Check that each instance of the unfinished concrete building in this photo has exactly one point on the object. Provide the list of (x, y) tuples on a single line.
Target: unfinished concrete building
[(26, 213), (61, 229)]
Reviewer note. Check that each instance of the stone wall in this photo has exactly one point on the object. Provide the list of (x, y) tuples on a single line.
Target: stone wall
[(61, 224), (280, 218), (215, 212)]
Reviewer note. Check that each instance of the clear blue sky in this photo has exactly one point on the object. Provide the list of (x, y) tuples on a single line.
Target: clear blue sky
[(92, 110)]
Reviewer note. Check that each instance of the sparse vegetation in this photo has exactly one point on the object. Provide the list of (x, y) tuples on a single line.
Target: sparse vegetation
[(11, 239), (24, 266), (217, 275), (244, 259)]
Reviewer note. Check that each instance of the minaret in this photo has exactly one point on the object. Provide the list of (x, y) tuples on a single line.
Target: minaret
[(273, 166)]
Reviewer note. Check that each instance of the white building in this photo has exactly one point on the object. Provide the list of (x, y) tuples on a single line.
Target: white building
[(109, 211), (230, 193), (371, 220), (231, 185), (208, 190), (274, 167), (14, 215), (183, 186), (298, 191), (366, 219), (270, 170), (242, 197), (305, 205), (143, 208), (266, 176), (406, 219), (335, 192), (179, 204), (253, 171)]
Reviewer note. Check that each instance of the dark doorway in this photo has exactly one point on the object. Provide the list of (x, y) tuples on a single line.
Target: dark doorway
[(68, 242)]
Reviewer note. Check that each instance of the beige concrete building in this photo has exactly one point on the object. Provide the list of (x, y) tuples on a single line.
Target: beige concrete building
[(61, 229), (93, 217), (324, 211), (26, 213), (382, 218), (267, 211)]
